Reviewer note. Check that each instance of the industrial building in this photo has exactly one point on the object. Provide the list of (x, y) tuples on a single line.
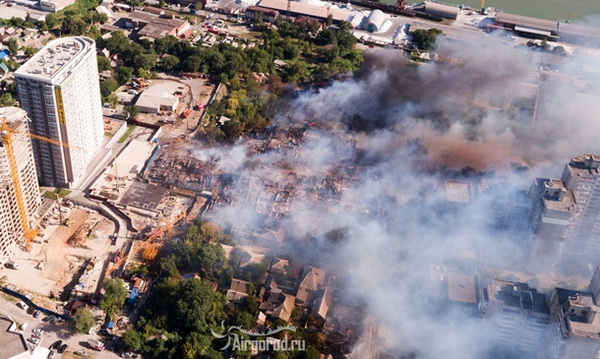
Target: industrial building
[(160, 97), (11, 202), (575, 327), (152, 26), (256, 13), (528, 25), (304, 9), (519, 317), (441, 10), (60, 90)]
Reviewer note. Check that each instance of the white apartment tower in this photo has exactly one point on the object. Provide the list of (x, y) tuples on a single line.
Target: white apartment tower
[(60, 90), (10, 222)]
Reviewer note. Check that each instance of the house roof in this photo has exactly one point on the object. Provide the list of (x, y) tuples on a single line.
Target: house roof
[(237, 290), (322, 303), (284, 310), (312, 280)]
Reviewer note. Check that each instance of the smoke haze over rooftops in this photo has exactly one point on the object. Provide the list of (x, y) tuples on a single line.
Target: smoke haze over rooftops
[(408, 128)]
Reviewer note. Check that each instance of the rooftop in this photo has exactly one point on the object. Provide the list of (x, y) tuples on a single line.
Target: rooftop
[(584, 165), (12, 344), (462, 287), (159, 94), (54, 57), (307, 9), (586, 325), (143, 195), (556, 196), (518, 295), (458, 191)]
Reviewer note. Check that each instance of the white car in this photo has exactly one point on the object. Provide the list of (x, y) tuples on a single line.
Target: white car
[(33, 340), (22, 305), (38, 331)]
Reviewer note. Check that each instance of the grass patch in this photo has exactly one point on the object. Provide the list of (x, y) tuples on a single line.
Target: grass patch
[(108, 134), (61, 192), (130, 129)]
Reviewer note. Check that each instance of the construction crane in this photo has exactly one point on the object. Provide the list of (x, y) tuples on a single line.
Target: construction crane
[(149, 242), (6, 134)]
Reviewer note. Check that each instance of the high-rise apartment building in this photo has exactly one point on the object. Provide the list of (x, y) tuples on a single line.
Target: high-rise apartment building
[(575, 328), (566, 218), (59, 89), (518, 315), (10, 222), (551, 211)]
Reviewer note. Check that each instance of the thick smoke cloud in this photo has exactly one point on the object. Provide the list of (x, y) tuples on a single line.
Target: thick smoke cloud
[(408, 128)]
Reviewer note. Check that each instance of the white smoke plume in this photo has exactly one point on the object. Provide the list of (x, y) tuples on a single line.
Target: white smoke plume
[(407, 129)]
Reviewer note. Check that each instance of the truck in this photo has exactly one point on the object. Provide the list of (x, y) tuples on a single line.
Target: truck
[(96, 344), (186, 113)]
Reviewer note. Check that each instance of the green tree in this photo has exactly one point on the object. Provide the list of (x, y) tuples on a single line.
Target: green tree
[(13, 46), (29, 51), (73, 25), (329, 20), (7, 100), (114, 296), (425, 39), (170, 62), (123, 74), (132, 111), (168, 266), (108, 86), (83, 320), (52, 20), (103, 63), (133, 340), (244, 320), (199, 305)]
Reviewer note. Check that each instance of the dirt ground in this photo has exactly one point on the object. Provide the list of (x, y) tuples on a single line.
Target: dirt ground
[(63, 252)]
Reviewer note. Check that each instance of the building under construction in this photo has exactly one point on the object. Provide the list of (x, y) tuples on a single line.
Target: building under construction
[(19, 193)]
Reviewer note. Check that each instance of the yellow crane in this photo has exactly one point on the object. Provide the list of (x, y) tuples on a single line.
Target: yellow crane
[(149, 242), (6, 134)]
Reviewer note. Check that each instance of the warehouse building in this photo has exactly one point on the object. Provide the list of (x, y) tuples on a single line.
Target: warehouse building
[(527, 25), (261, 13), (375, 21), (159, 97), (441, 10), (308, 10)]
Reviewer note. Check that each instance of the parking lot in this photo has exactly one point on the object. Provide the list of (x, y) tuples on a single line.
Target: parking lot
[(53, 332)]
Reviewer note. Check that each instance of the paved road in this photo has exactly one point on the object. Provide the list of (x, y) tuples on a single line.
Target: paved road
[(52, 332)]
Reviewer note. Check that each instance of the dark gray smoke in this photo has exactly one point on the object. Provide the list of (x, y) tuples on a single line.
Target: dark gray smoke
[(366, 186)]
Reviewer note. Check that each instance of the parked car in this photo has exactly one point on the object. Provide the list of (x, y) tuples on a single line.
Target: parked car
[(35, 341), (52, 353), (47, 319), (62, 348), (56, 344), (23, 326), (38, 331), (22, 305), (129, 355), (37, 313), (11, 265), (81, 353)]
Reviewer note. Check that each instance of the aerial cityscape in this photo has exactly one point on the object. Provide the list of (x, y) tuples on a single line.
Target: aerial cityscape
[(299, 179)]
